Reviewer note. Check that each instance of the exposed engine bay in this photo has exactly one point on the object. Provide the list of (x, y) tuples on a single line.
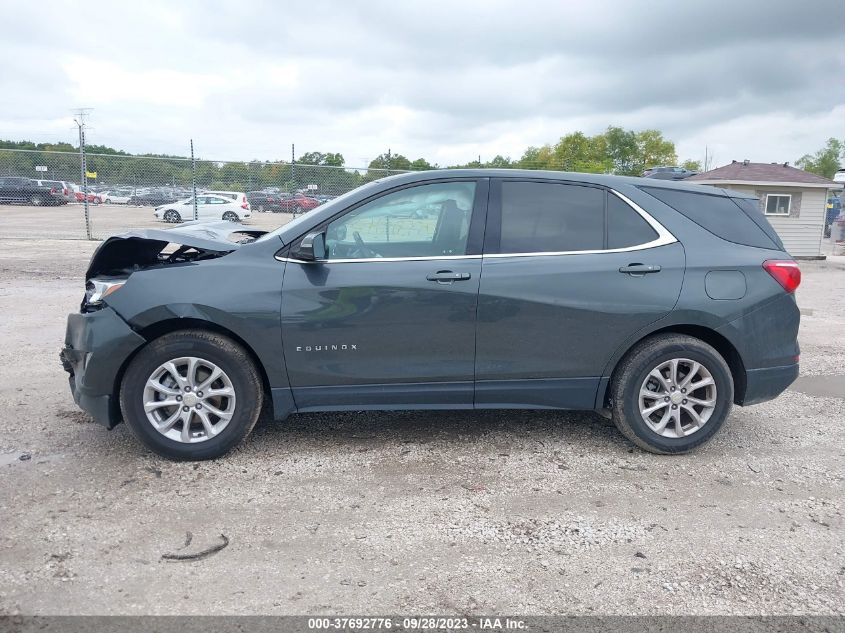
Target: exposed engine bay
[(120, 256), (128, 252)]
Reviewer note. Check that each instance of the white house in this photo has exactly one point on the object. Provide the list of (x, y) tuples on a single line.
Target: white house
[(794, 201)]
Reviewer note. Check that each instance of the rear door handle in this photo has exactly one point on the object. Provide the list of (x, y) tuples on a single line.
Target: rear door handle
[(640, 269), (447, 276)]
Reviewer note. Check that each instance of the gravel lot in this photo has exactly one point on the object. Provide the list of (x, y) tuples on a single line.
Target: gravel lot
[(457, 513)]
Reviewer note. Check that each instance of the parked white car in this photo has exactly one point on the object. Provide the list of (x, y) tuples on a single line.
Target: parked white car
[(117, 196), (209, 207)]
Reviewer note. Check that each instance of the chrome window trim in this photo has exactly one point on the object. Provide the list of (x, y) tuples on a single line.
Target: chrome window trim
[(427, 258), (663, 238)]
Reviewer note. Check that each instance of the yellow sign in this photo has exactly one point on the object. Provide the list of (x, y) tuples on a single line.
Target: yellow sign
[(91, 174)]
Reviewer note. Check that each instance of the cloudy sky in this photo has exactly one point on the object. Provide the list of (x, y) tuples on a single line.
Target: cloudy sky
[(448, 81)]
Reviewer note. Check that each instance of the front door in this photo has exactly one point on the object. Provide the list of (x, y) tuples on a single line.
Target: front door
[(570, 272), (387, 319)]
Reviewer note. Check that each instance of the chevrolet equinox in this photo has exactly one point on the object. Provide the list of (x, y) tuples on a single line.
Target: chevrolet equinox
[(660, 303)]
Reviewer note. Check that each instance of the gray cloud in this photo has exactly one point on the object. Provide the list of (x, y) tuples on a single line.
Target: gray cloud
[(448, 81)]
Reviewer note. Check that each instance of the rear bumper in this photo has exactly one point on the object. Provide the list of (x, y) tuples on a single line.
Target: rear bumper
[(96, 346), (767, 384)]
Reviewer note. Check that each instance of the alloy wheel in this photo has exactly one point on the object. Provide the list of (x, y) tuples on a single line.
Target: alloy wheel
[(677, 397), (189, 399)]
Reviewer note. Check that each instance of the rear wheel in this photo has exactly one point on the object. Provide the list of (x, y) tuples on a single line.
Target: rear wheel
[(191, 395), (231, 216), (261, 208), (172, 216), (297, 210), (671, 393)]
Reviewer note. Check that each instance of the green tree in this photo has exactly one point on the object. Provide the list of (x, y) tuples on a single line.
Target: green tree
[(692, 165), (826, 161), (319, 158), (653, 150), (384, 165), (622, 151), (421, 164)]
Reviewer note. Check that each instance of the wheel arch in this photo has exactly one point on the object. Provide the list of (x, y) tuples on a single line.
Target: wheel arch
[(720, 343), (158, 329)]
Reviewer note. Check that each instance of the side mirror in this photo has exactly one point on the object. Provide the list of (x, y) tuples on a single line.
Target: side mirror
[(312, 248)]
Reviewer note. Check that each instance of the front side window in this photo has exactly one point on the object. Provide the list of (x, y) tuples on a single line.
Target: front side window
[(548, 217), (423, 221), (778, 204)]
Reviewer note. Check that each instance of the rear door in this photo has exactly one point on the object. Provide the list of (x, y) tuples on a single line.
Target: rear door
[(387, 319), (569, 272)]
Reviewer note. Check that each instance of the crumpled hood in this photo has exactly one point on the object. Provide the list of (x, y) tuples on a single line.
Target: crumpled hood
[(142, 248)]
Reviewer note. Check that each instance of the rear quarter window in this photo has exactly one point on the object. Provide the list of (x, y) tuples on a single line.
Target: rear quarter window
[(719, 215)]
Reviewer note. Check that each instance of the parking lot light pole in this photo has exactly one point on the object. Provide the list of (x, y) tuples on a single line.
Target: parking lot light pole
[(80, 123)]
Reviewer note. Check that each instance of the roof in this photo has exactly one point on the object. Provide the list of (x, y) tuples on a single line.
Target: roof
[(761, 173), (606, 180)]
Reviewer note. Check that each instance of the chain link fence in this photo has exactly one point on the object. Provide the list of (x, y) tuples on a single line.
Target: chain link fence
[(42, 196)]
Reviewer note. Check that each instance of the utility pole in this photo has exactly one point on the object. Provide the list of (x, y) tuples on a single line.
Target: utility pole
[(388, 161), (293, 165), (81, 113)]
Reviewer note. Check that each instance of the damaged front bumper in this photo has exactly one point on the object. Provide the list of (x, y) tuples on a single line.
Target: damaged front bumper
[(97, 344)]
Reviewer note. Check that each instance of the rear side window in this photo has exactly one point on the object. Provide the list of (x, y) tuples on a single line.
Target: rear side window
[(545, 217), (626, 227), (718, 214), (752, 210)]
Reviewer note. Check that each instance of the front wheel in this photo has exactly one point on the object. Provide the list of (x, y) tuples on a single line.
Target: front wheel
[(36, 201), (172, 216), (191, 395), (671, 393), (108, 200), (231, 216)]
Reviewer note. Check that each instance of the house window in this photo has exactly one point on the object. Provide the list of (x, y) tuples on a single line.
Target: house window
[(778, 203)]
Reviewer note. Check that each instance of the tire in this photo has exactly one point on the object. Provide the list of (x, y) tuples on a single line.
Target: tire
[(36, 201), (241, 377), (297, 210), (231, 216), (172, 216), (261, 208), (108, 200), (631, 375)]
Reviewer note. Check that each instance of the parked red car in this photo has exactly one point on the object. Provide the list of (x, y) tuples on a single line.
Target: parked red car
[(93, 198), (298, 203)]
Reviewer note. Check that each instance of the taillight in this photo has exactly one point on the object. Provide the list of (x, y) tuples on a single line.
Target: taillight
[(64, 192), (244, 204), (785, 272)]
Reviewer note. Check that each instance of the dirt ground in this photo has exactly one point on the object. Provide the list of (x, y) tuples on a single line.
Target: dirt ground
[(395, 513)]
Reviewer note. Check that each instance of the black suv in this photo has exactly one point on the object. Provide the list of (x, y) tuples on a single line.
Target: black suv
[(26, 191), (662, 303)]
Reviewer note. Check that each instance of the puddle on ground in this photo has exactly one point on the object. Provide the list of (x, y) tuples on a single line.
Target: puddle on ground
[(821, 386)]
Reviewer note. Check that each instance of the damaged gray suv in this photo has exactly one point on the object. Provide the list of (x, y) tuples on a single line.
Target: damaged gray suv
[(661, 303)]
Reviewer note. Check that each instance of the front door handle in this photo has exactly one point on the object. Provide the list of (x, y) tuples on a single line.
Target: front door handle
[(447, 276), (640, 269)]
